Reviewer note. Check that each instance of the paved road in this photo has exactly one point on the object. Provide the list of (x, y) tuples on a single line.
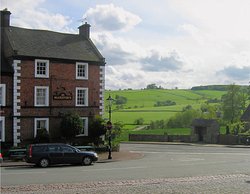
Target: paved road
[(163, 169)]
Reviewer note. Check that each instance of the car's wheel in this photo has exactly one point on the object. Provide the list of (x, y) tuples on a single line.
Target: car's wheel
[(44, 162), (87, 161)]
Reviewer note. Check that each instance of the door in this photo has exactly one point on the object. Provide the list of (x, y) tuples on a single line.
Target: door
[(55, 154), (70, 156)]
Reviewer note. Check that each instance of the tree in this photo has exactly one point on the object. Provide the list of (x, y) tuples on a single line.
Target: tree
[(42, 136), (233, 103), (97, 128), (152, 86), (71, 125)]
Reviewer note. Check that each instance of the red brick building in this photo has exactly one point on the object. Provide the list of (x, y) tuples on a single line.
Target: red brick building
[(45, 74)]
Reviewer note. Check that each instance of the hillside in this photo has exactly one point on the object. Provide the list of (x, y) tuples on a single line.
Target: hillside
[(142, 103)]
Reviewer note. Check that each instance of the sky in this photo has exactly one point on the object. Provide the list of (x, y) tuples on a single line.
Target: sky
[(170, 43)]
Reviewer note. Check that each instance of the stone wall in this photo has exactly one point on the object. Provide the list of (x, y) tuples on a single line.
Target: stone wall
[(159, 138)]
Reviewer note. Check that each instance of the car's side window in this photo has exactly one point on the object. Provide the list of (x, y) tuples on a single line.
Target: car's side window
[(39, 148), (67, 149), (54, 148)]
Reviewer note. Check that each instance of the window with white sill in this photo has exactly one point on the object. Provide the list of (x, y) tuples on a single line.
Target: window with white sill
[(2, 129), (41, 68), (41, 96), (2, 94), (81, 70), (81, 96), (41, 123)]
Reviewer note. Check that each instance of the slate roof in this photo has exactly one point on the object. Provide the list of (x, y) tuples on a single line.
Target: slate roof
[(49, 44), (204, 122), (246, 114)]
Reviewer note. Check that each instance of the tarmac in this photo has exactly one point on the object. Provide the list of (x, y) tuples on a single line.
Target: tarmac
[(123, 154), (103, 158)]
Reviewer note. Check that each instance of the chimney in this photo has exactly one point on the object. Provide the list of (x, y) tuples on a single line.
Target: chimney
[(5, 18), (84, 30)]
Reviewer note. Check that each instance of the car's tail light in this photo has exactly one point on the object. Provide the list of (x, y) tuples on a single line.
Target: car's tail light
[(30, 151), (1, 155)]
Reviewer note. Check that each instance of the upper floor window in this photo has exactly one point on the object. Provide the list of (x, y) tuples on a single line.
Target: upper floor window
[(41, 96), (81, 70), (41, 68), (2, 94), (81, 96), (2, 129)]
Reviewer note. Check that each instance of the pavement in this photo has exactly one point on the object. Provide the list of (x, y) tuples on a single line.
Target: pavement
[(103, 158)]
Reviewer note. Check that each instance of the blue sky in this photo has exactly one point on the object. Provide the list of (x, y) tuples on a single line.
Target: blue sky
[(172, 43)]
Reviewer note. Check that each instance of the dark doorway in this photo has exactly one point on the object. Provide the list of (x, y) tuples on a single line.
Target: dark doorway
[(200, 131)]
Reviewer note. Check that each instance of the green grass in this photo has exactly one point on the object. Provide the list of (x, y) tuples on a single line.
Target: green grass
[(140, 103)]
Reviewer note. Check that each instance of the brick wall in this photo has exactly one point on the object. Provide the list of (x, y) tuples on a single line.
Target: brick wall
[(62, 75)]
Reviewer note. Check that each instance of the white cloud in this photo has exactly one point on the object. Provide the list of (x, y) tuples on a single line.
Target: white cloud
[(176, 44), (111, 18), (117, 50), (29, 14), (158, 62)]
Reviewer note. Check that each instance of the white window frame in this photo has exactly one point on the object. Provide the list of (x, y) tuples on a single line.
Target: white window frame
[(3, 129), (3, 89), (47, 95), (35, 124), (78, 65), (85, 97), (46, 71), (85, 127)]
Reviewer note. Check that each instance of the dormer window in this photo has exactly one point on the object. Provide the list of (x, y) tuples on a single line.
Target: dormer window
[(81, 70), (41, 68)]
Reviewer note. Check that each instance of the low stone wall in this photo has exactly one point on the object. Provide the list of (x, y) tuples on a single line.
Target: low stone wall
[(228, 139), (159, 138), (222, 139)]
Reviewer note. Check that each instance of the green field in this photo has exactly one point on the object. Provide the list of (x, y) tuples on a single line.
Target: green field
[(140, 103)]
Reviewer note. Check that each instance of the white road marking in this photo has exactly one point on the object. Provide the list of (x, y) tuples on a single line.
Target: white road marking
[(123, 168), (191, 159), (22, 173), (197, 153)]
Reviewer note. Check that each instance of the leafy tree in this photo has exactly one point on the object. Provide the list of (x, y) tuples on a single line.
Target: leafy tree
[(208, 111), (152, 86), (139, 121), (233, 103), (42, 136), (119, 100), (183, 119), (71, 125), (97, 128)]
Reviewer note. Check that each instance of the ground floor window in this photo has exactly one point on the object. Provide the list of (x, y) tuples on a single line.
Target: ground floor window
[(41, 123), (84, 130), (2, 129)]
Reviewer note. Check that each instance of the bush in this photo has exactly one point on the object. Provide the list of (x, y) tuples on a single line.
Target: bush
[(165, 103), (139, 121), (42, 136), (71, 125)]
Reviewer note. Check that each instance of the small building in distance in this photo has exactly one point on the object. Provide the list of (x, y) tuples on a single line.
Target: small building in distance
[(246, 118), (205, 131)]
